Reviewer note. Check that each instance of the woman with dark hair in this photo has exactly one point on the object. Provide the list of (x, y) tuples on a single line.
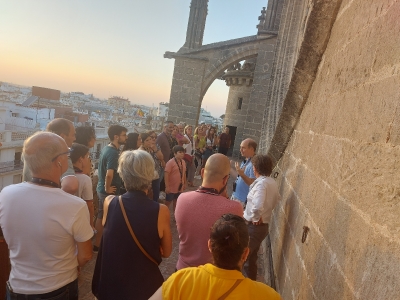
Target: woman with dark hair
[(210, 145), (133, 141), (80, 158), (228, 244), (148, 144), (137, 234), (261, 200)]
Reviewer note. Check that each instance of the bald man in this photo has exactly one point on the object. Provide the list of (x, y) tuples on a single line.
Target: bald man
[(47, 230), (66, 130), (197, 211), (245, 172)]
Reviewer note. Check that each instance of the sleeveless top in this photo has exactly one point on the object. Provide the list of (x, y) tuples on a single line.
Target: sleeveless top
[(122, 271)]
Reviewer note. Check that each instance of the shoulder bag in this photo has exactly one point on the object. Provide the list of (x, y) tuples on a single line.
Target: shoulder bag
[(133, 234)]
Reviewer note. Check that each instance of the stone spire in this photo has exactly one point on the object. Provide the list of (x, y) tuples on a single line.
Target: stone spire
[(196, 24), (270, 17)]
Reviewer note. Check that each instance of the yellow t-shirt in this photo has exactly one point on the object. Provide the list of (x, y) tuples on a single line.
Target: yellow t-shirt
[(210, 282)]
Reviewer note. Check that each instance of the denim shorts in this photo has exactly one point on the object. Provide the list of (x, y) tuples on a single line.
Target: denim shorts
[(100, 211), (172, 196)]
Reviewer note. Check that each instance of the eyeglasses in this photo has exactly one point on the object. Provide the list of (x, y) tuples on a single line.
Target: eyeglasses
[(153, 137), (67, 152)]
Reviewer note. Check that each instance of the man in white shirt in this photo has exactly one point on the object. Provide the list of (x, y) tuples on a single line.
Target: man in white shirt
[(47, 230), (261, 200)]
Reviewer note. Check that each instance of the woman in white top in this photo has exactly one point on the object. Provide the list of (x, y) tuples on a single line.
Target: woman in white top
[(80, 158), (261, 200), (189, 155)]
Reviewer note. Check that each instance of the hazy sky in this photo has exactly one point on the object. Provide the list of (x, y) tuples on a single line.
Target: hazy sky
[(112, 47)]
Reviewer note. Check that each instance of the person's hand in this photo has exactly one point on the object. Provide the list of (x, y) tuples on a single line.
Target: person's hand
[(111, 190), (259, 222), (238, 169)]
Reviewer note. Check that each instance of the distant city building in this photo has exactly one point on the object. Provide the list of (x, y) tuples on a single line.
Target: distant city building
[(119, 102)]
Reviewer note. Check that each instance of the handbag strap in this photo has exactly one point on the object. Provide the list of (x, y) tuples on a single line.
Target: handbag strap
[(132, 233), (231, 289)]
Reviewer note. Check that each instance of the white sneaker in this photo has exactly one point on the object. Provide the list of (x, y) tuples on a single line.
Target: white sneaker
[(161, 196)]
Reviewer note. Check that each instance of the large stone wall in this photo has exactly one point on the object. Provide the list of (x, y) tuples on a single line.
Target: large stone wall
[(339, 169)]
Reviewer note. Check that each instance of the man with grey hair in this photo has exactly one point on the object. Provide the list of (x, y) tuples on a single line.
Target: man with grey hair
[(66, 130), (48, 232)]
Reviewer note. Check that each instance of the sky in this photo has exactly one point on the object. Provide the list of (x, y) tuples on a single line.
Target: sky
[(112, 48)]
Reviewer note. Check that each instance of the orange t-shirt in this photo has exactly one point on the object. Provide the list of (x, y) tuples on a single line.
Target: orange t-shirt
[(174, 177)]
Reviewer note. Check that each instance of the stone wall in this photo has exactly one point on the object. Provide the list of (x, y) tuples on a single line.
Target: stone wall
[(234, 116), (339, 169)]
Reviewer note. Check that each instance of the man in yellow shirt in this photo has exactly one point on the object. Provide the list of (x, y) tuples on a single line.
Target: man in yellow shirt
[(228, 244)]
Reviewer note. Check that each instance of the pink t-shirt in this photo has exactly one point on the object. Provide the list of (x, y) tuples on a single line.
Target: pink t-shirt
[(174, 178), (195, 214)]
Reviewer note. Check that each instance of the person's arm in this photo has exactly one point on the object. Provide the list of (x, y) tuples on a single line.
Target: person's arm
[(166, 180), (164, 231), (91, 211), (109, 176), (160, 157), (157, 295), (85, 252), (240, 171), (259, 196), (105, 209)]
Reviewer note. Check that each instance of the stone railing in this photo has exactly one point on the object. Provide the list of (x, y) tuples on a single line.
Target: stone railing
[(13, 165)]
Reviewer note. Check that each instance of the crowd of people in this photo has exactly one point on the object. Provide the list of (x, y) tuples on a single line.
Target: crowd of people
[(51, 228)]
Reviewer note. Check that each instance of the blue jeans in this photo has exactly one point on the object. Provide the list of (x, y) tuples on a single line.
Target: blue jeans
[(67, 292)]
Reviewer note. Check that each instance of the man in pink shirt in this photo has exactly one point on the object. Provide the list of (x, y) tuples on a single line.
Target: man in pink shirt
[(197, 211)]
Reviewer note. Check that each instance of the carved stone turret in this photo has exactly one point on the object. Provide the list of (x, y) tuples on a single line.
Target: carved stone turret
[(240, 75)]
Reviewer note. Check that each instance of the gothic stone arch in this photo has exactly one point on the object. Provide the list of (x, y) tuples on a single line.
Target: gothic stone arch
[(196, 69)]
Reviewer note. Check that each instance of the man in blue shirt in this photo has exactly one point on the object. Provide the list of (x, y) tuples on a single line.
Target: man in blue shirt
[(245, 171)]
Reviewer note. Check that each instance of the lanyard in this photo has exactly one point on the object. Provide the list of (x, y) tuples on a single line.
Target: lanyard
[(180, 171), (210, 191), (41, 181)]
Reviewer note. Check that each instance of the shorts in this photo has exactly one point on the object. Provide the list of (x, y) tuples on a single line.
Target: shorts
[(100, 210), (172, 196)]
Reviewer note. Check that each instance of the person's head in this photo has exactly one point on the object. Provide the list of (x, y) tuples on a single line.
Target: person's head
[(211, 132), (262, 164), (136, 169), (46, 155), (188, 130), (80, 157), (181, 128), (226, 130), (117, 134), (179, 151), (174, 131), (85, 135), (248, 148), (153, 135), (168, 127), (228, 243), (216, 172), (64, 128), (147, 139), (133, 141)]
